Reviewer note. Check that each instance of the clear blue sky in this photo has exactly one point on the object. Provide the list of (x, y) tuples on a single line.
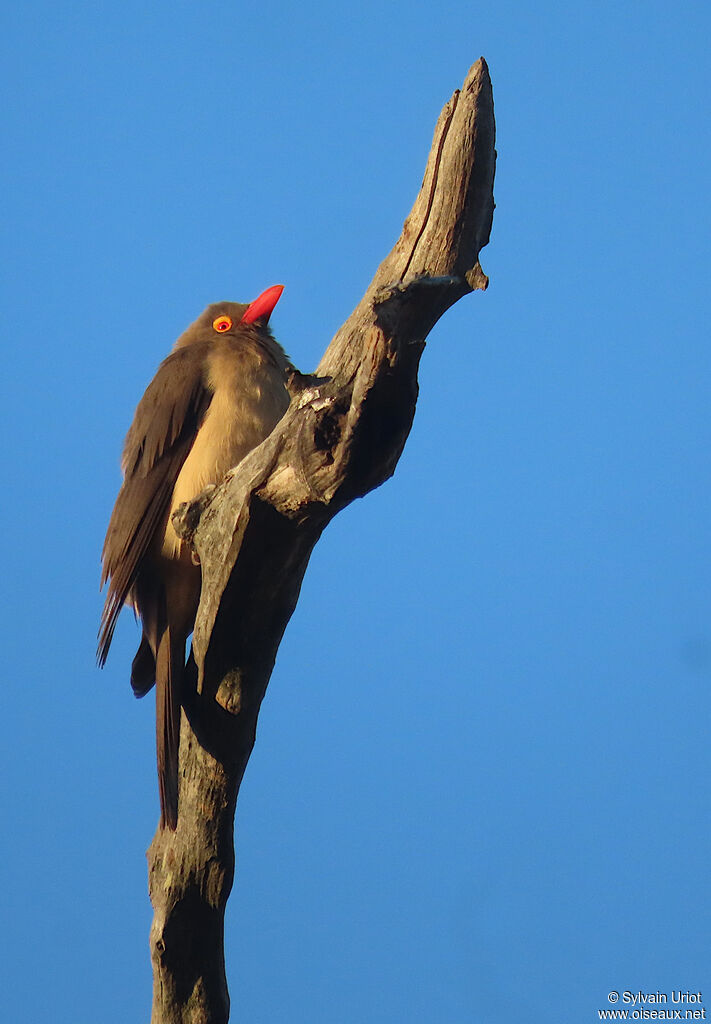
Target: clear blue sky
[(480, 791)]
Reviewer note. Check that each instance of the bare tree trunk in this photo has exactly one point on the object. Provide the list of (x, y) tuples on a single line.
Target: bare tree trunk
[(341, 437)]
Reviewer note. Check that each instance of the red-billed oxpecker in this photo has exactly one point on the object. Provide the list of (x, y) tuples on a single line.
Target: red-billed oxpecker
[(218, 394)]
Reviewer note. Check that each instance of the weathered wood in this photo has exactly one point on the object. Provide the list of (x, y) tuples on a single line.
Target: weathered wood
[(341, 437)]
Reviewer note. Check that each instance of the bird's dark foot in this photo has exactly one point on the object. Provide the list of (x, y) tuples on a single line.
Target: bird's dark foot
[(187, 515)]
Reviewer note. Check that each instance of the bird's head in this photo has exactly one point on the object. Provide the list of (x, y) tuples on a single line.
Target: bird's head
[(232, 319)]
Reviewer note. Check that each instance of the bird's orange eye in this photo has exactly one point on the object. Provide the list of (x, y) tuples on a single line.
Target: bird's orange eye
[(222, 324)]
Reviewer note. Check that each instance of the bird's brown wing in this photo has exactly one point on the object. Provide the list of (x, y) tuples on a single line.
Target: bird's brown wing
[(157, 444)]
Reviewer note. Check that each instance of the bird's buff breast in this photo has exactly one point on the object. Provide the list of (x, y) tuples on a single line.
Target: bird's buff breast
[(248, 402)]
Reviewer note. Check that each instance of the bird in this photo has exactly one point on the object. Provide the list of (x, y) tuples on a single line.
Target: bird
[(217, 395)]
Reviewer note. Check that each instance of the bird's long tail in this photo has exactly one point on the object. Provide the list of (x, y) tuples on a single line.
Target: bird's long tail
[(170, 664)]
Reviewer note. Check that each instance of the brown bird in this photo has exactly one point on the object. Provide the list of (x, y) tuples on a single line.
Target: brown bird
[(219, 393)]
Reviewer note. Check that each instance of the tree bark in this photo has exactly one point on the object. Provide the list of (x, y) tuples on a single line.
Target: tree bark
[(341, 436)]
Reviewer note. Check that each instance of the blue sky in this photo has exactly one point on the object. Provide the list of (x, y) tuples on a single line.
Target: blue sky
[(480, 788)]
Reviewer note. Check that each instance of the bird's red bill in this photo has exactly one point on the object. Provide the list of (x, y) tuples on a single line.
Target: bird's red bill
[(262, 307)]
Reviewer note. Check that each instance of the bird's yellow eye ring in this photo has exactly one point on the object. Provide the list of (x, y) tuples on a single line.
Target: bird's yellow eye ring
[(222, 324)]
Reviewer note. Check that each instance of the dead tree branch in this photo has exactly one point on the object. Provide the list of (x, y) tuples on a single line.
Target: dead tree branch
[(341, 436)]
